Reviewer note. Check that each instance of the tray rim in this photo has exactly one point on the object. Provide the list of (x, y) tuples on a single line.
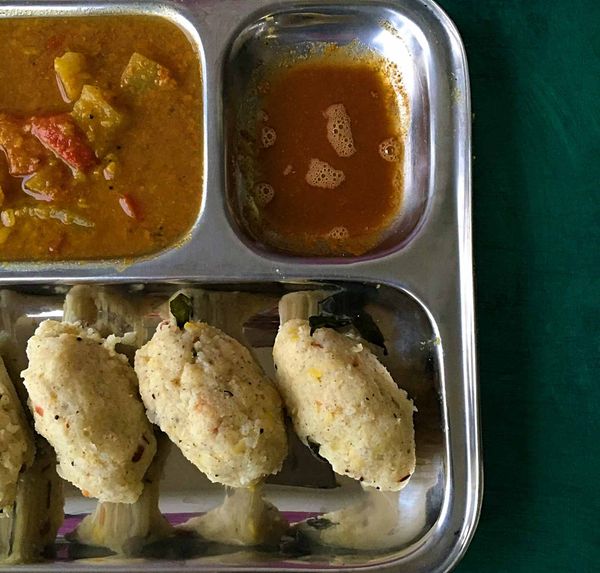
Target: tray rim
[(474, 468)]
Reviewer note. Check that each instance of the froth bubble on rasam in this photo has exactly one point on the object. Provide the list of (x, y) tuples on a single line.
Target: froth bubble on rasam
[(268, 136), (321, 174), (390, 149), (339, 131), (263, 193)]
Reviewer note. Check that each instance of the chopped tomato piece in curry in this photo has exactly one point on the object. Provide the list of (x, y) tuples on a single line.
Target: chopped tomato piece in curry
[(60, 134), (23, 152)]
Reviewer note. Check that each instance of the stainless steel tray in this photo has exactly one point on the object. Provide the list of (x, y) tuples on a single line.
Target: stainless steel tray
[(425, 303)]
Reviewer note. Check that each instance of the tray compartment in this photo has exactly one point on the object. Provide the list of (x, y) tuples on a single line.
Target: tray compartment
[(263, 41), (414, 361), (180, 19)]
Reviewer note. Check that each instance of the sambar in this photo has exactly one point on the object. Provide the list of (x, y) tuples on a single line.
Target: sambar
[(101, 128)]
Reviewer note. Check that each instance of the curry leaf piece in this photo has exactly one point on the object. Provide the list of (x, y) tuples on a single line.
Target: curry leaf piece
[(346, 308), (364, 323), (327, 321), (181, 309), (343, 303)]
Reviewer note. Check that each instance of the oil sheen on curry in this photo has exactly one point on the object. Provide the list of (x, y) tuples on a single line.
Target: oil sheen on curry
[(101, 137), (326, 177)]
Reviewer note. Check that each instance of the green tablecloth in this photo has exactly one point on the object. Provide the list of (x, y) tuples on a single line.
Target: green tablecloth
[(535, 77)]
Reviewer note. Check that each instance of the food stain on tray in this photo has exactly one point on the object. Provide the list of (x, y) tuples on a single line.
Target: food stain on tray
[(320, 154), (101, 133)]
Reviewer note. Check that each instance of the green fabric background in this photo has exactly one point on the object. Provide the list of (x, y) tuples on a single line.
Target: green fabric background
[(535, 78)]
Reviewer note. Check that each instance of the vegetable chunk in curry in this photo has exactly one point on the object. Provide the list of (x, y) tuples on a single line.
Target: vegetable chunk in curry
[(101, 137)]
